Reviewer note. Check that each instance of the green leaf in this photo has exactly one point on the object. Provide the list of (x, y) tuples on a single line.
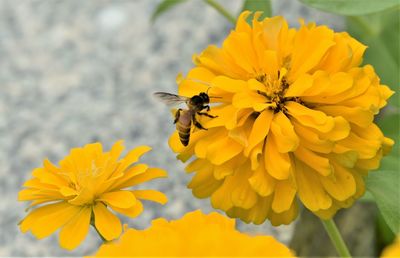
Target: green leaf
[(390, 126), (258, 5), (164, 6), (351, 7), (384, 186), (385, 234), (380, 32)]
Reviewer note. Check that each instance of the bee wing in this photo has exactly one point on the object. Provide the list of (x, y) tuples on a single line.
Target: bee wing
[(170, 99)]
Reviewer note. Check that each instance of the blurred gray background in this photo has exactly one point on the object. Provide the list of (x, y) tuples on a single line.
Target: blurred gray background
[(74, 72)]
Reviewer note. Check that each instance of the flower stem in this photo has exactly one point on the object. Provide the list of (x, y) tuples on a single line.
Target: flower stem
[(336, 238), (98, 232), (221, 10)]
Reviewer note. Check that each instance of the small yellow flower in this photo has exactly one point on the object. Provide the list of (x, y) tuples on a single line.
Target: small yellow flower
[(83, 189), (195, 234), (392, 250), (294, 121)]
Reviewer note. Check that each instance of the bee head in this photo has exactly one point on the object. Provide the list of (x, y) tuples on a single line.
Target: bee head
[(204, 97)]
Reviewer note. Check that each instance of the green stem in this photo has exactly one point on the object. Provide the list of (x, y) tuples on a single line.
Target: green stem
[(221, 10), (98, 232), (336, 238)]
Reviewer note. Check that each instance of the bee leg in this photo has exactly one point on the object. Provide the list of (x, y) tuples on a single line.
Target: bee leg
[(207, 107), (177, 115), (206, 114), (197, 124)]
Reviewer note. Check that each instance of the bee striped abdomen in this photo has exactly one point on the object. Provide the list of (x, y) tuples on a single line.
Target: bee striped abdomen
[(184, 133), (183, 126)]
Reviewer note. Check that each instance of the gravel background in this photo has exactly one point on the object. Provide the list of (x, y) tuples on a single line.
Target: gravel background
[(74, 72)]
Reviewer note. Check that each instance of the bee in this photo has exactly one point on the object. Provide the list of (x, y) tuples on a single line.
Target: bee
[(185, 117)]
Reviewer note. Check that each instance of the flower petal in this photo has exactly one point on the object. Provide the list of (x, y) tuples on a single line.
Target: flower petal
[(231, 149), (29, 221), (261, 181), (131, 212), (283, 130), (309, 117), (120, 199), (277, 164), (313, 160), (342, 186), (260, 130), (73, 233), (150, 174), (106, 222), (48, 223), (151, 195), (283, 196), (310, 190)]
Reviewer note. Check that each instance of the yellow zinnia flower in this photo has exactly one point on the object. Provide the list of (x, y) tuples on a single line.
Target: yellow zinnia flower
[(81, 191), (195, 234), (294, 119)]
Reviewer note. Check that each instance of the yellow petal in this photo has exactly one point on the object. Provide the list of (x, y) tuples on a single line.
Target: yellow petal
[(270, 59), (277, 164), (131, 212), (85, 196), (150, 174), (133, 156), (106, 222), (151, 195), (243, 195), (342, 186), (49, 177), (283, 130), (310, 190), (48, 223), (285, 217), (312, 140), (313, 160), (29, 221), (67, 191), (120, 199), (309, 117), (299, 87), (241, 23), (226, 168), (203, 183), (340, 131), (257, 214), (198, 80), (283, 196), (117, 149), (356, 115), (231, 149), (310, 46), (247, 99), (73, 233), (50, 167), (260, 130), (261, 181), (228, 84)]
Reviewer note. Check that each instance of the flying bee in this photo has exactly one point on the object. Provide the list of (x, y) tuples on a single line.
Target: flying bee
[(185, 117)]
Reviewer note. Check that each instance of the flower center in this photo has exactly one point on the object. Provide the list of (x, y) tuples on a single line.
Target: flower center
[(275, 88)]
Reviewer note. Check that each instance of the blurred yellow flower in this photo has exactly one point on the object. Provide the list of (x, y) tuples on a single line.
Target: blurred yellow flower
[(195, 234), (295, 120), (392, 250), (81, 191)]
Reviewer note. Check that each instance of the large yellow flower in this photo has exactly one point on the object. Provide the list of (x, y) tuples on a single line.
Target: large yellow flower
[(295, 121), (81, 191), (195, 234)]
